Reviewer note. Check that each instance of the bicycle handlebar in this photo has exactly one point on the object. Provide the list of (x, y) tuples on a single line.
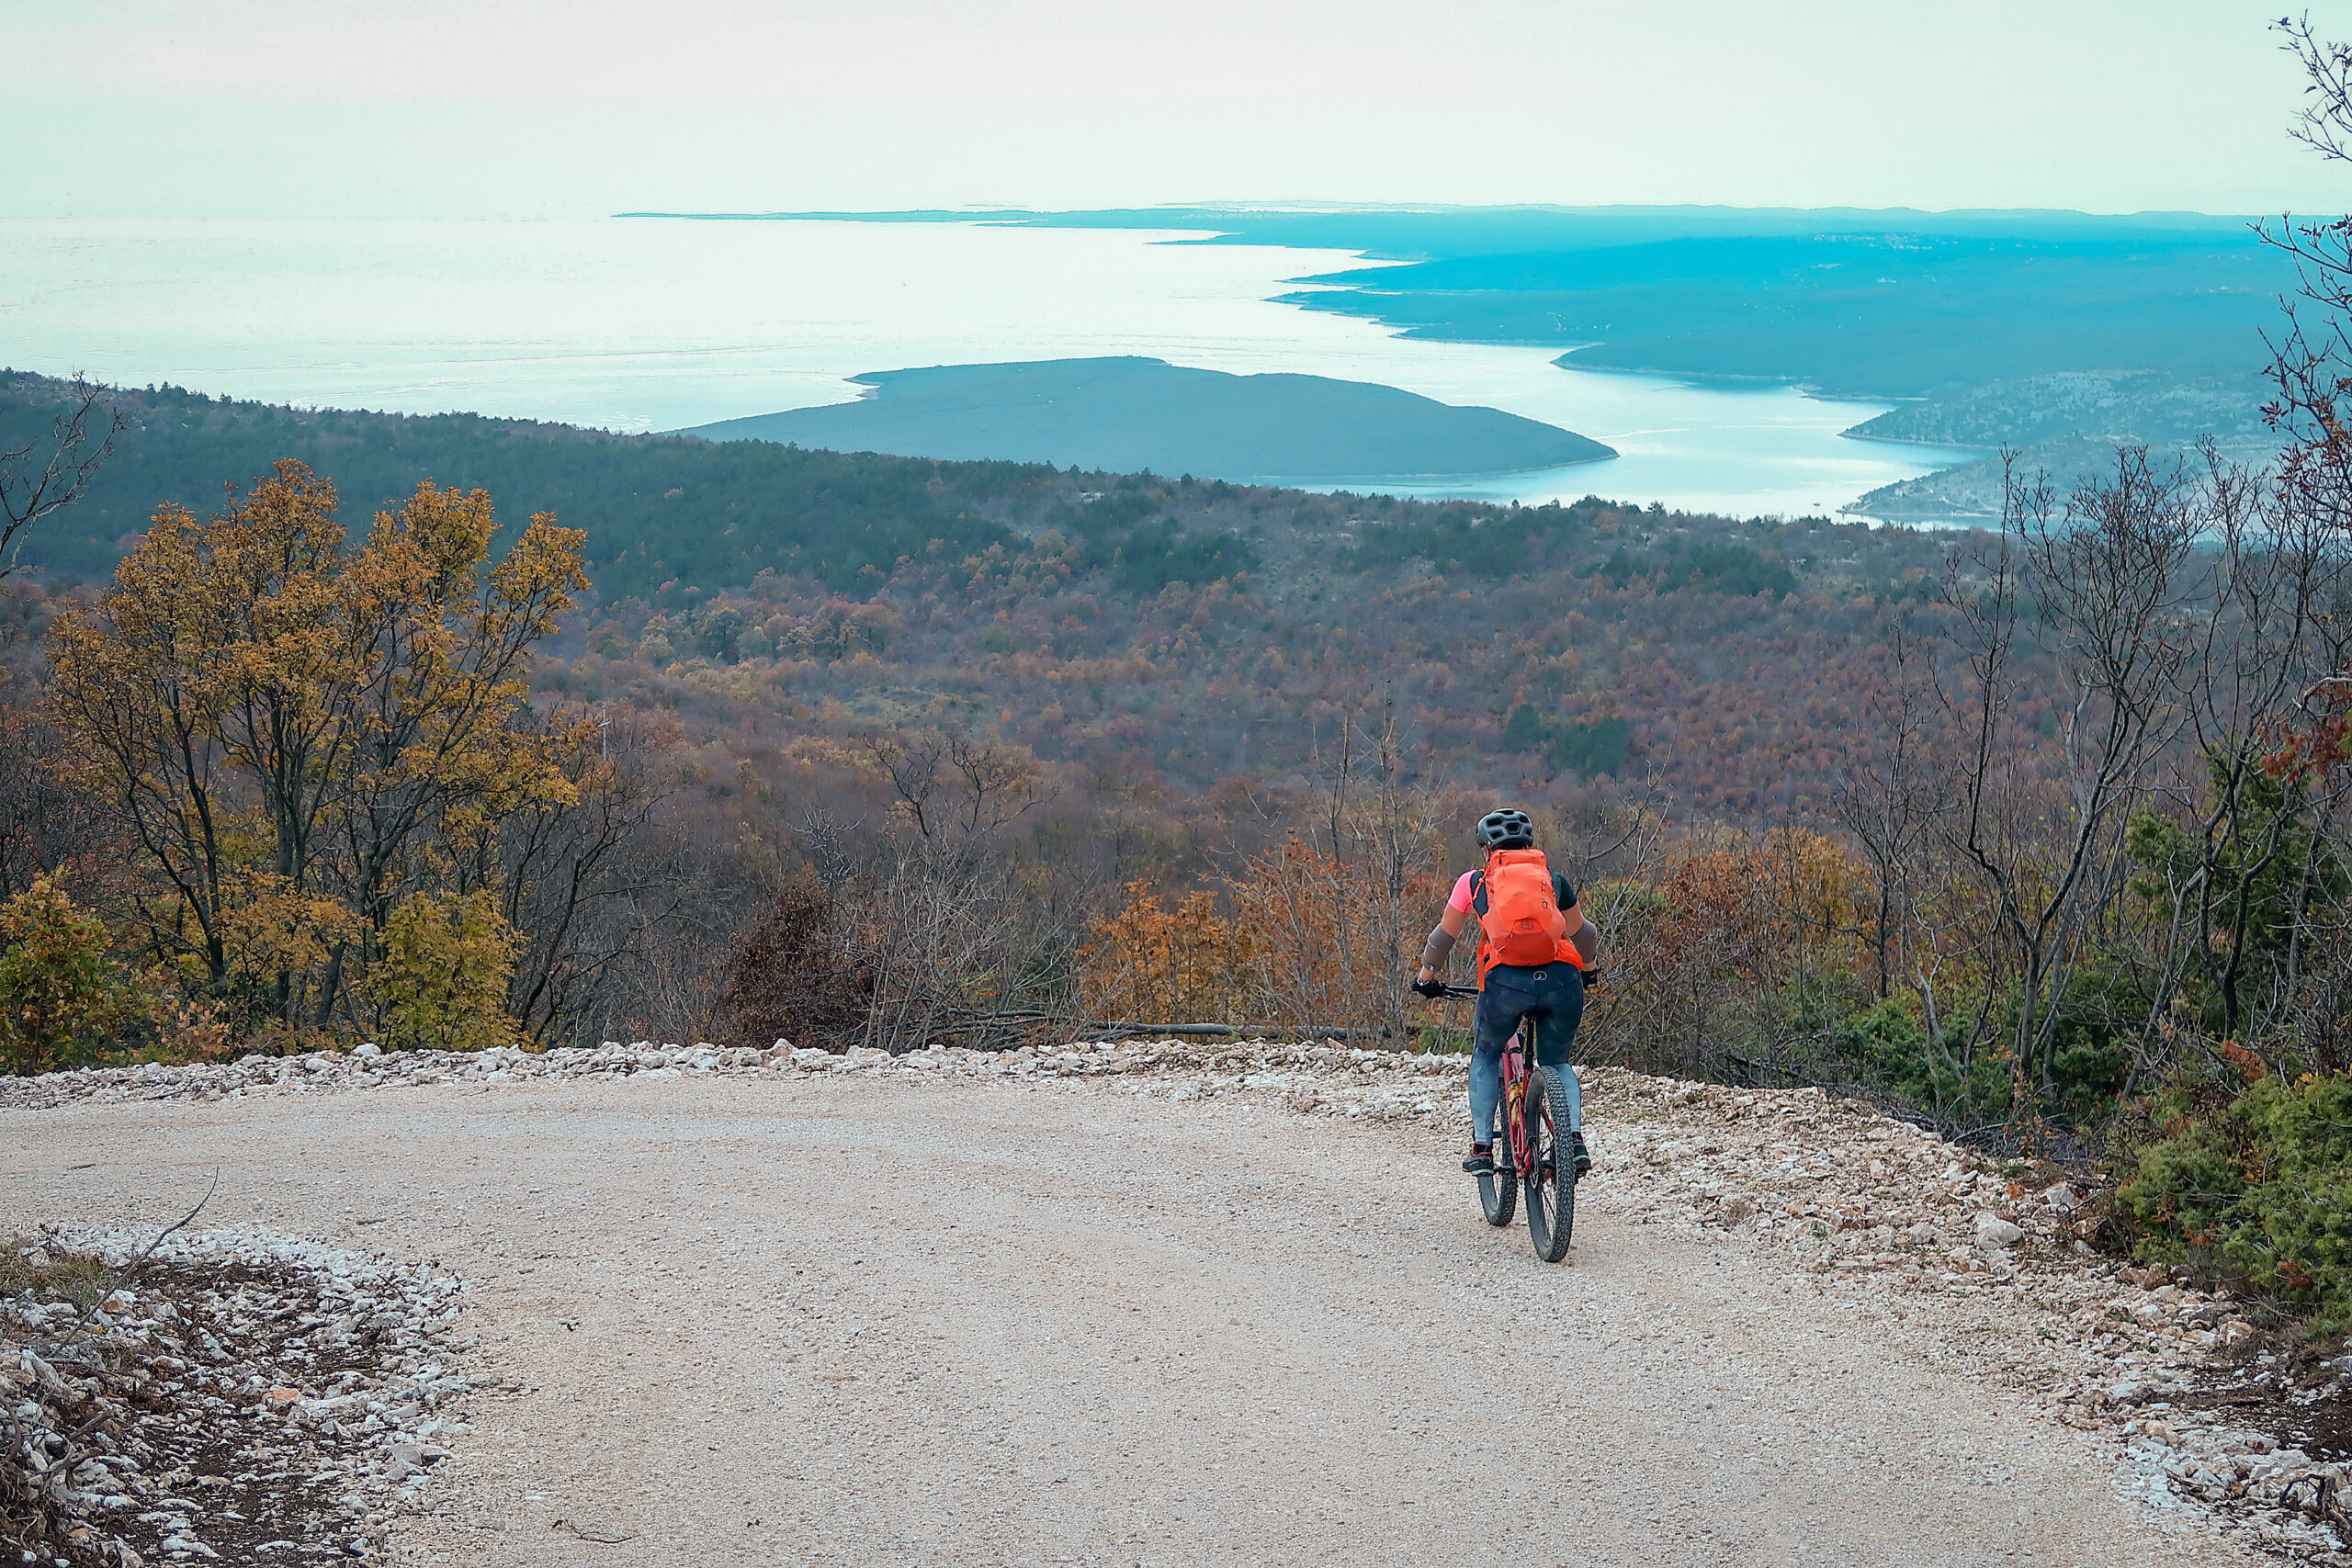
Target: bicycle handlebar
[(1439, 989)]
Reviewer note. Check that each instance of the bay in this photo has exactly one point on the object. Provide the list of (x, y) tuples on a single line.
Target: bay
[(639, 325)]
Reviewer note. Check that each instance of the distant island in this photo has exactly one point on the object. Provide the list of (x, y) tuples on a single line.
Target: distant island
[(1127, 413)]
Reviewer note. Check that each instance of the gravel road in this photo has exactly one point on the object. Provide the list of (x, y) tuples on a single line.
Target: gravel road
[(824, 1321)]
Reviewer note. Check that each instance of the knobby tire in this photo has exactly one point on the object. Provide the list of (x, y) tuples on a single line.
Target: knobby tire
[(1498, 1193), (1552, 1187)]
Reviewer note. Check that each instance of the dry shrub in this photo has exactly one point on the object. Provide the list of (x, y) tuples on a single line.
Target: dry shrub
[(41, 1268), (1701, 953), (1337, 936), (184, 1028), (928, 948), (1701, 962), (1316, 943), (33, 1516), (789, 980), (964, 947)]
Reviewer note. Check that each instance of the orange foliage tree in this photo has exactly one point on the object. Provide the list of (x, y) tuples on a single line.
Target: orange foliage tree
[(300, 738), (1323, 925), (1147, 963)]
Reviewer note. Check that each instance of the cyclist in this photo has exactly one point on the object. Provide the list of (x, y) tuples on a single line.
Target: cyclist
[(1506, 895)]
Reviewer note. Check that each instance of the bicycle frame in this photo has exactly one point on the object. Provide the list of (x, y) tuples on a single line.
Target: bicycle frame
[(1517, 1053)]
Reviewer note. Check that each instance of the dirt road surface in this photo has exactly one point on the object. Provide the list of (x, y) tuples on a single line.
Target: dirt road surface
[(827, 1321)]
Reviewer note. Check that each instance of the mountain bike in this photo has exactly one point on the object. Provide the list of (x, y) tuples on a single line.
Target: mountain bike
[(1534, 1114)]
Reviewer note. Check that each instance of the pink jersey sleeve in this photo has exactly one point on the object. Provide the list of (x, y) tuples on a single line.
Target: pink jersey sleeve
[(1461, 899)]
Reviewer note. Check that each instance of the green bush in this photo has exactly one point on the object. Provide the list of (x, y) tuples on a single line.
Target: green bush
[(2104, 1006), (1888, 1036), (59, 990), (1492, 547), (1439, 1040), (1720, 566), (1590, 749), (2259, 1180), (2090, 1065), (1154, 556), (441, 983), (1888, 1041), (2267, 881)]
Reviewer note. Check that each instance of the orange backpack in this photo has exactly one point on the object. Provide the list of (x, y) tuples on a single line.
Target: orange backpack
[(1523, 923)]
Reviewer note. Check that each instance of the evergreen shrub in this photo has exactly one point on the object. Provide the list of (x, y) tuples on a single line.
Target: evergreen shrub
[(2258, 1181)]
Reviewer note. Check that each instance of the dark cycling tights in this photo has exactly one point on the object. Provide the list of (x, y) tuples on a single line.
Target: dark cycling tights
[(1555, 997)]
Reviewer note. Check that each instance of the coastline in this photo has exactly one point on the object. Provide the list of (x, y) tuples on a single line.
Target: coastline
[(663, 327), (1347, 485)]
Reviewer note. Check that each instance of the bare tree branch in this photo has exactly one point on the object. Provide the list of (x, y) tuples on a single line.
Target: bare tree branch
[(32, 486)]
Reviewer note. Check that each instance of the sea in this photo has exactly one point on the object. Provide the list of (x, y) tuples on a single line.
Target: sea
[(646, 324)]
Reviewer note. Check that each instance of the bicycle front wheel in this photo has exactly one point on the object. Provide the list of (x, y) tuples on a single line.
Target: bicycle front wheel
[(1551, 1184)]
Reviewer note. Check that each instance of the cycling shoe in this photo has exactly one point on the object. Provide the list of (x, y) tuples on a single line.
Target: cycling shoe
[(1579, 1156), (1481, 1161)]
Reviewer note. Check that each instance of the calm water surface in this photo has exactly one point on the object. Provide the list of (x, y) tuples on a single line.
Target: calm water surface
[(651, 324)]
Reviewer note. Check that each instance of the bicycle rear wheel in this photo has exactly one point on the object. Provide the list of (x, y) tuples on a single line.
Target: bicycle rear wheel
[(1498, 1192), (1551, 1186)]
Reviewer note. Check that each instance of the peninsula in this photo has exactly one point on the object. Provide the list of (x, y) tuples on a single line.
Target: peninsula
[(1129, 412)]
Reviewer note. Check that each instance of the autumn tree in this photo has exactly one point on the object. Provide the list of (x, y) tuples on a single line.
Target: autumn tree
[(577, 870), (450, 958), (1889, 802), (44, 822), (955, 934), (2099, 591), (1338, 907), (1147, 963), (297, 736)]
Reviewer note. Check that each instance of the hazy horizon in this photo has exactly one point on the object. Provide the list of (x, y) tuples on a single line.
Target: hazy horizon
[(346, 108)]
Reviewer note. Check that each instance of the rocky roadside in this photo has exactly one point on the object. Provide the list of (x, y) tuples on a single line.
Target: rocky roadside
[(1384, 1085), (236, 1397), (2204, 1410)]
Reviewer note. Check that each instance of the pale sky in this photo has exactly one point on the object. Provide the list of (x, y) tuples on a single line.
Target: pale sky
[(398, 108)]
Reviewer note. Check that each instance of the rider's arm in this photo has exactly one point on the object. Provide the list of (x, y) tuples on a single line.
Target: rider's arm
[(1440, 947), (1580, 931)]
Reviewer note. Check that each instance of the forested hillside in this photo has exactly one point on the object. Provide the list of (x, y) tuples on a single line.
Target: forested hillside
[(780, 660), (1175, 631), (661, 510)]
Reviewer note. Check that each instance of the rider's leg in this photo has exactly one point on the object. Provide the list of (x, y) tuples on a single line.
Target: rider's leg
[(1563, 1011), (1492, 1025), (1486, 1094)]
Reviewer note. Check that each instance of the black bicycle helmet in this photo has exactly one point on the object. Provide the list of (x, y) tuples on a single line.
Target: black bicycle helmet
[(1506, 828)]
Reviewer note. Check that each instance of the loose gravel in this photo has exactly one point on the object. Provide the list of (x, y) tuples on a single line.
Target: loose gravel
[(224, 1395), (1832, 1214)]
